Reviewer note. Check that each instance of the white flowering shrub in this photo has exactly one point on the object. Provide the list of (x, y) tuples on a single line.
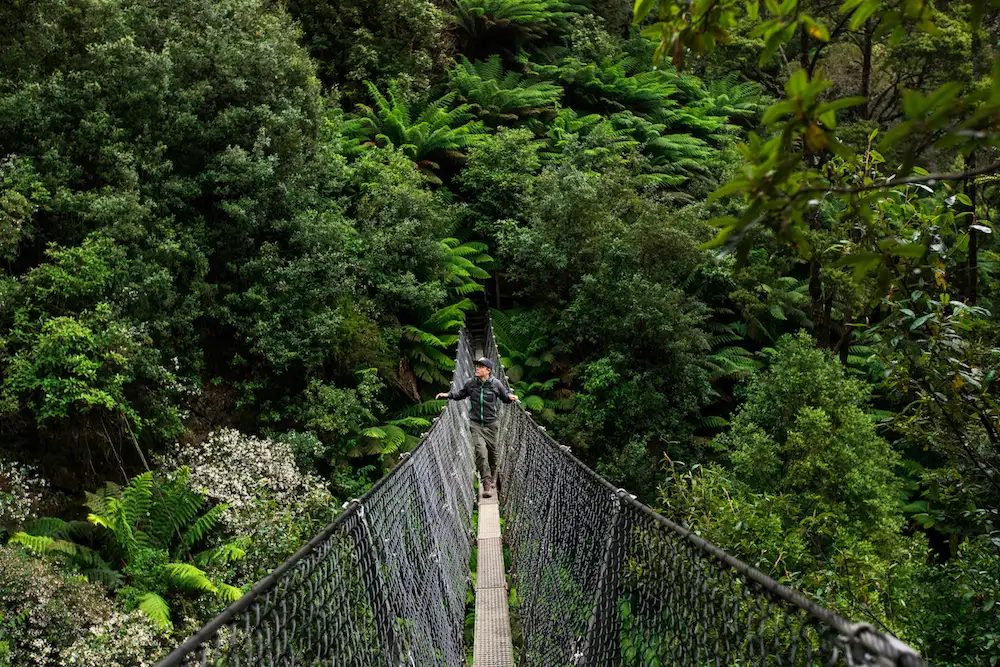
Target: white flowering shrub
[(48, 616), (21, 492), (123, 640), (270, 498)]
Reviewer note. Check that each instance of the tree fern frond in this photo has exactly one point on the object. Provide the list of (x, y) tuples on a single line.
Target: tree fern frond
[(185, 575), (411, 422), (37, 543), (432, 407), (230, 552), (229, 594), (203, 525), (156, 608), (137, 497)]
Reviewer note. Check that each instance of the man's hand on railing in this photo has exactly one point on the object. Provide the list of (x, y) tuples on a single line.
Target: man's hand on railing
[(443, 394)]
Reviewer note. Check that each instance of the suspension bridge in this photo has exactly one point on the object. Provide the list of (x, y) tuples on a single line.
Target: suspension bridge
[(585, 574)]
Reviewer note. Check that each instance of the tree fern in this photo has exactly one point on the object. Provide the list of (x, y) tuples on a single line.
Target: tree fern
[(502, 97), (427, 346), (424, 132), (512, 24), (612, 85), (424, 408), (152, 514), (740, 103), (728, 361), (230, 552), (229, 594), (200, 527), (137, 498), (393, 437), (464, 264)]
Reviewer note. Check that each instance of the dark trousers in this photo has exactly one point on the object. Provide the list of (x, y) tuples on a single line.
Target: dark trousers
[(484, 439)]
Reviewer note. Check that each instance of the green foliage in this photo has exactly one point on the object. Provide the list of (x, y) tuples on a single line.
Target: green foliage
[(137, 539), (808, 491), (529, 363), (424, 132), (429, 345), (404, 39), (732, 362), (502, 97), (47, 615), (511, 24), (200, 228), (21, 193)]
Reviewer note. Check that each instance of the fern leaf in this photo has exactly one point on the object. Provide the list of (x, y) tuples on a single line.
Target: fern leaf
[(137, 497), (432, 407), (533, 403), (714, 422), (156, 608), (37, 543), (185, 575), (229, 552), (201, 527), (229, 594)]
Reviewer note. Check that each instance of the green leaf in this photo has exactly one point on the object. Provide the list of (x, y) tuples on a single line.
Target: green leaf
[(185, 575), (913, 250), (156, 608), (641, 9), (229, 593)]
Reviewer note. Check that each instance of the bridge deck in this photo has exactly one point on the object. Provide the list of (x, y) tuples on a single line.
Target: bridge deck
[(492, 645)]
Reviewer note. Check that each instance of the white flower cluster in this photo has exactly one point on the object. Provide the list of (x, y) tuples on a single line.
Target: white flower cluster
[(21, 490), (124, 640), (234, 468), (258, 479), (43, 608)]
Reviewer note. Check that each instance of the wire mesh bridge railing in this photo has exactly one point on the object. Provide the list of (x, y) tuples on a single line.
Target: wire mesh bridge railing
[(601, 579)]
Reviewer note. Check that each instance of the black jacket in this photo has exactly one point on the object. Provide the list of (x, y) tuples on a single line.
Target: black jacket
[(483, 398)]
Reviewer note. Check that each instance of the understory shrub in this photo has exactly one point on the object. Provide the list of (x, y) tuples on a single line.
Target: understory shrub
[(49, 617), (269, 498)]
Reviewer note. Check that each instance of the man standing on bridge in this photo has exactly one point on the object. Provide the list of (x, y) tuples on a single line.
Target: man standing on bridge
[(483, 390)]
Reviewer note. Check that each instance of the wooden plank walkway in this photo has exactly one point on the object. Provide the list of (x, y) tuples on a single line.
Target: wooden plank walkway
[(492, 644)]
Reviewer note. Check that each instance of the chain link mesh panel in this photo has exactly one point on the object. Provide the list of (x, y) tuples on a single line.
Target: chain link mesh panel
[(603, 580), (383, 585)]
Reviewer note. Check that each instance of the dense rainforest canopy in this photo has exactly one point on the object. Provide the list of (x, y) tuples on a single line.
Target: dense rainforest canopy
[(739, 256)]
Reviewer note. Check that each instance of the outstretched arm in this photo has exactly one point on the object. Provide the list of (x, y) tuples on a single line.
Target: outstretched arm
[(457, 395)]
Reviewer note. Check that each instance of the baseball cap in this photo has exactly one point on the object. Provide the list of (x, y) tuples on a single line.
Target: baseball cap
[(483, 361)]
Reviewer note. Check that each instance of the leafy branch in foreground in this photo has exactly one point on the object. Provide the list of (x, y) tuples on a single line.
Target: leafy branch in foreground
[(786, 171)]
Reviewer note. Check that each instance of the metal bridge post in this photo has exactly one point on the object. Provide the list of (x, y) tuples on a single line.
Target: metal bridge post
[(602, 643)]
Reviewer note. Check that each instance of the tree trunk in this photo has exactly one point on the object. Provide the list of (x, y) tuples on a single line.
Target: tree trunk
[(972, 267), (818, 305), (972, 264), (844, 344), (866, 69)]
